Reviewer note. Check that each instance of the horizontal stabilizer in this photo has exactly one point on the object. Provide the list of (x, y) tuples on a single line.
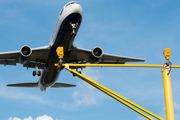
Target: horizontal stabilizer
[(33, 84), (63, 85)]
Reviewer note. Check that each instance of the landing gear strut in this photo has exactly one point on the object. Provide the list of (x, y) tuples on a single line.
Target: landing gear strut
[(36, 72)]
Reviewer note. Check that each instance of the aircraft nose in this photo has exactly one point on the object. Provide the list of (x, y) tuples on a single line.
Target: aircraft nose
[(77, 8)]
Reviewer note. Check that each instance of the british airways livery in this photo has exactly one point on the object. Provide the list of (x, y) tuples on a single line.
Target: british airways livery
[(44, 58)]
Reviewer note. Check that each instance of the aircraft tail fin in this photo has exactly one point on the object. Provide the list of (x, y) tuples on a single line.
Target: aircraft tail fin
[(35, 84), (32, 84)]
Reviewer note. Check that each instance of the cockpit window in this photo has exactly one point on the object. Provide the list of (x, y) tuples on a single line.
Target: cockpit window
[(74, 2), (71, 3)]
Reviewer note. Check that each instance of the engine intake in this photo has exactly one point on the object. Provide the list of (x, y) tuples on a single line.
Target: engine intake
[(96, 55), (25, 54)]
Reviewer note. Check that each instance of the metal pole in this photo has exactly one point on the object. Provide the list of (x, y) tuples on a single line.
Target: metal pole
[(168, 92), (118, 65), (114, 95)]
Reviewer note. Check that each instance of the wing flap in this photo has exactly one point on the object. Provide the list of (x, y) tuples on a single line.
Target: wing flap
[(32, 65), (8, 62)]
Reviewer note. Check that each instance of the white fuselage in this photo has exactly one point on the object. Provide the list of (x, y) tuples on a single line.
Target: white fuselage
[(59, 38)]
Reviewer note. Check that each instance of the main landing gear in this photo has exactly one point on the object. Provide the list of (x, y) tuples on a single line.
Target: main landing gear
[(36, 72)]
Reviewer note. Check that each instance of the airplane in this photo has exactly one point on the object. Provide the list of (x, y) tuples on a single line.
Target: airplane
[(44, 58)]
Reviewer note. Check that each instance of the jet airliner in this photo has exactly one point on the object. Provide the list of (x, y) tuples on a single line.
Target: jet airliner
[(44, 58)]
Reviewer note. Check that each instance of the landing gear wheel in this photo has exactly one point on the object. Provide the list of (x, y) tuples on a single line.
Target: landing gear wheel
[(39, 73), (34, 73)]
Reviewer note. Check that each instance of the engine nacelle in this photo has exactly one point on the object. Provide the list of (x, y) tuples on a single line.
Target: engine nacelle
[(96, 55), (25, 54)]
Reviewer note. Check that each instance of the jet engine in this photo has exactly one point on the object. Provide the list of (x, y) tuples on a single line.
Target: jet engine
[(25, 54), (96, 55)]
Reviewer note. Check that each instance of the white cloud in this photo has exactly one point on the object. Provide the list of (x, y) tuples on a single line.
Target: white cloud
[(22, 96), (15, 118), (85, 94), (29, 118), (176, 106), (44, 117)]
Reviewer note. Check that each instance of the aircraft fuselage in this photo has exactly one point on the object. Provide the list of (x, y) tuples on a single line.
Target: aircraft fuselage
[(63, 35)]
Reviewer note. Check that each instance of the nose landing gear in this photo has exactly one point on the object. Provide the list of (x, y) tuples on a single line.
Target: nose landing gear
[(74, 26)]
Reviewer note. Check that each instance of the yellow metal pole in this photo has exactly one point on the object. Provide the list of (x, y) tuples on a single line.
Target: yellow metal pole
[(120, 100), (114, 95), (166, 79), (118, 65), (168, 92), (167, 85)]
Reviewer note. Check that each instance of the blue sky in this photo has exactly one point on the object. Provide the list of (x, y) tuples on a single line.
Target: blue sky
[(140, 28)]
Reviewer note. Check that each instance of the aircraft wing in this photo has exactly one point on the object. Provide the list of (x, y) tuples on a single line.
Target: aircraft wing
[(39, 54), (80, 55)]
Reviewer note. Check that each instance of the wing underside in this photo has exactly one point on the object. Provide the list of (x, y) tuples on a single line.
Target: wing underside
[(38, 57), (80, 55)]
